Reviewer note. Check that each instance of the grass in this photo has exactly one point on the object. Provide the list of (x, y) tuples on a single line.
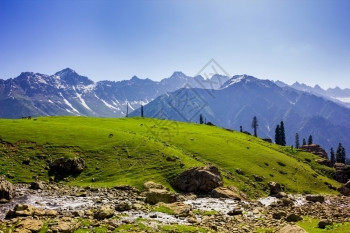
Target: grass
[(310, 225), (143, 149), (205, 212), (163, 209)]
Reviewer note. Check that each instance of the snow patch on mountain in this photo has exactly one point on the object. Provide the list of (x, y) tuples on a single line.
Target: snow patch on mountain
[(343, 99), (69, 104)]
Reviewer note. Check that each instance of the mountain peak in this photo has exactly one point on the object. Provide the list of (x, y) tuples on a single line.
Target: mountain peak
[(65, 72), (177, 74)]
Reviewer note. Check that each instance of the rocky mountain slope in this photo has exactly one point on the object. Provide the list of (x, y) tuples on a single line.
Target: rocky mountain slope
[(243, 96), (68, 93)]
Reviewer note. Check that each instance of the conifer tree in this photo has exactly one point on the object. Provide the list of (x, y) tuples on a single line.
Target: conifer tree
[(201, 119), (278, 135), (304, 142), (240, 129), (340, 154), (282, 134), (297, 141), (142, 110), (255, 125), (127, 109), (332, 156), (309, 141)]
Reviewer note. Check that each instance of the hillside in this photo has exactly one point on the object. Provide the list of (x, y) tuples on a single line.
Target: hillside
[(150, 149), (243, 97)]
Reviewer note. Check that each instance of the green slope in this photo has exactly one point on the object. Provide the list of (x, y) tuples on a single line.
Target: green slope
[(152, 149)]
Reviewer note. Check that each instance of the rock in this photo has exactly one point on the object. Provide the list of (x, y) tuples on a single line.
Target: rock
[(36, 185), (153, 196), (7, 190), (269, 140), (39, 212), (51, 213), (324, 162), (286, 201), (23, 210), (199, 179), (345, 189), (315, 149), (192, 220), (291, 229), (68, 226), (221, 192), (315, 198), (239, 171), (104, 212), (152, 185), (281, 195), (275, 188), (279, 214), (235, 211), (180, 209), (258, 178), (29, 224), (123, 206), (324, 222), (293, 218), (78, 213), (63, 167), (342, 172)]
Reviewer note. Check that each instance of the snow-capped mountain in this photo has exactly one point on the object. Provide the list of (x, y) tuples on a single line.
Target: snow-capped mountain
[(68, 93), (338, 95), (243, 97)]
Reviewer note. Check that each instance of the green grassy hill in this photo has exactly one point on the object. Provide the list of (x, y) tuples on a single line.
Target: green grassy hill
[(151, 149)]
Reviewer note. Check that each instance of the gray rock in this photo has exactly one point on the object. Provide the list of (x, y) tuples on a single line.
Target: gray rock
[(293, 218), (324, 222), (275, 188), (315, 198), (7, 190)]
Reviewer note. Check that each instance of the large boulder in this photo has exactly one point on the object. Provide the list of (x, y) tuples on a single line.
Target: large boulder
[(198, 179), (36, 185), (342, 172), (105, 211), (221, 192), (63, 167), (29, 224), (291, 229), (345, 189), (315, 149), (7, 190), (65, 226), (274, 187), (315, 198), (153, 196)]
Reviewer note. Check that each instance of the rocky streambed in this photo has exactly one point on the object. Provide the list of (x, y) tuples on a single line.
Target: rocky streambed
[(65, 209)]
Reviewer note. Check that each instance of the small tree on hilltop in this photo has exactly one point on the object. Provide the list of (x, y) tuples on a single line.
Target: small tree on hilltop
[(241, 129), (255, 125), (201, 119), (282, 134), (332, 156), (297, 141), (142, 110), (304, 142), (278, 135), (340, 154), (309, 141)]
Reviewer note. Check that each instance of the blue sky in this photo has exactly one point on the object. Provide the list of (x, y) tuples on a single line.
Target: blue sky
[(297, 40)]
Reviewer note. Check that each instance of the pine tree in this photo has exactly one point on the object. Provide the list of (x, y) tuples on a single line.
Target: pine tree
[(309, 141), (141, 110), (255, 125), (278, 135), (332, 156), (240, 129), (340, 154), (127, 109), (304, 142), (282, 134), (297, 141), (201, 119)]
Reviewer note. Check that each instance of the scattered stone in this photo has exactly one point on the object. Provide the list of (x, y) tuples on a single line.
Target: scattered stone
[(258, 178), (239, 171), (235, 211), (68, 226), (279, 215), (345, 189), (291, 229), (104, 212), (7, 191), (180, 209), (281, 195), (324, 222), (30, 225), (293, 218), (36, 185), (221, 192), (24, 210), (152, 185), (64, 167), (274, 187), (199, 179), (123, 206), (51, 213), (286, 201), (192, 220), (315, 198)]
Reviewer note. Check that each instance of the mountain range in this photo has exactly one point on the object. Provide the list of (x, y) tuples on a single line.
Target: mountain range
[(68, 93), (226, 102)]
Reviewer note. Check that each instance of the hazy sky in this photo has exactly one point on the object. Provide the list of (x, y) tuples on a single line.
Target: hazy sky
[(297, 40)]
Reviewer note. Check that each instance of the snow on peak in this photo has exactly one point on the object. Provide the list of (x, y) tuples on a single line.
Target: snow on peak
[(235, 79)]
